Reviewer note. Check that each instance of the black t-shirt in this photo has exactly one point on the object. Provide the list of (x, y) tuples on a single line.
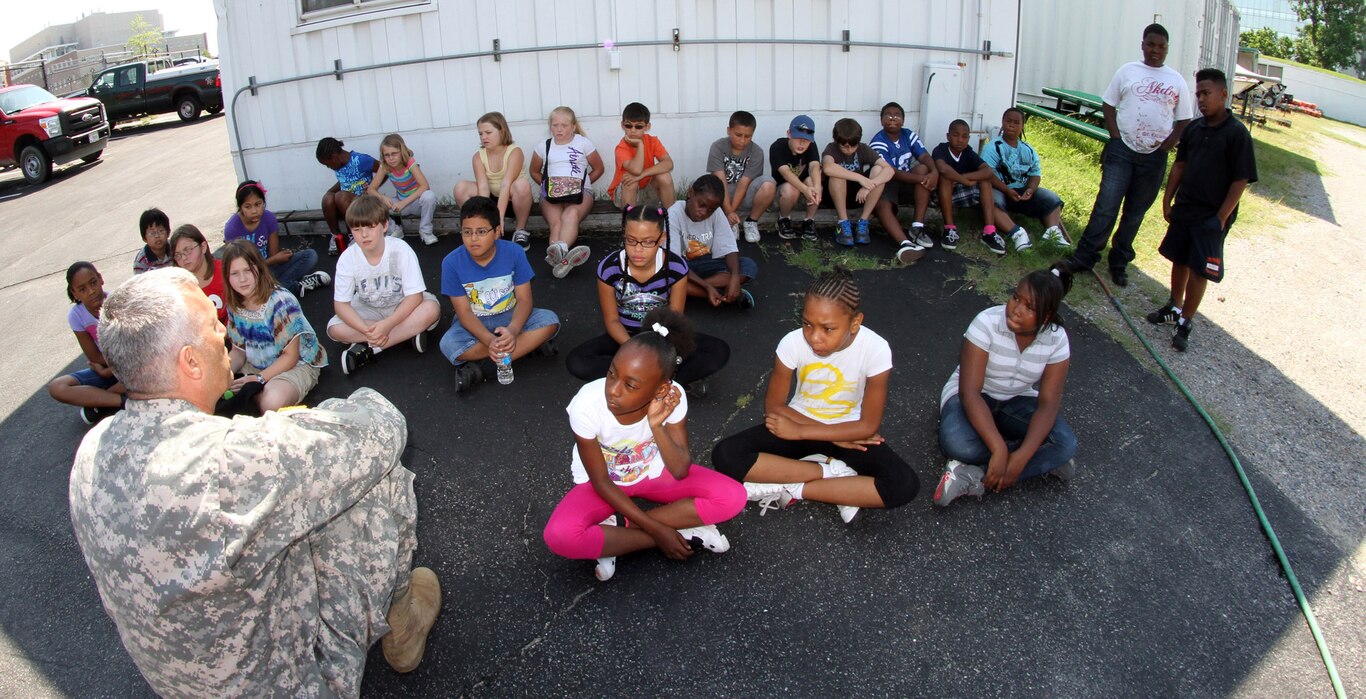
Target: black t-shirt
[(781, 156), (1215, 158), (966, 162)]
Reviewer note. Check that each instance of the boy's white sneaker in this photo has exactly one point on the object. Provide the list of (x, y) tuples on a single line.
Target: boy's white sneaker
[(395, 230), (1055, 235), (1020, 238), (428, 237), (706, 536), (751, 231)]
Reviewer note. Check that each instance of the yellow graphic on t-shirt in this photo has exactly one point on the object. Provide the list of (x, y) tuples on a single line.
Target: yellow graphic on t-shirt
[(819, 390)]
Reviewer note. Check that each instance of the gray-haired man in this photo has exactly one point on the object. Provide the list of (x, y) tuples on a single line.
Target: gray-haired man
[(250, 556)]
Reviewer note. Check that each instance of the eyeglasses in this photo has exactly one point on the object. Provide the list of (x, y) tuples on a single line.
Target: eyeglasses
[(646, 244), (476, 232), (895, 117), (186, 253)]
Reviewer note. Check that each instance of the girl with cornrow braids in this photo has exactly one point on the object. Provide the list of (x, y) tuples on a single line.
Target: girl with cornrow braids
[(642, 275), (823, 443)]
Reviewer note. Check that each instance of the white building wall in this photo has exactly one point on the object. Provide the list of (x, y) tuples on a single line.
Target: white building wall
[(690, 92), (1079, 44), (1340, 97)]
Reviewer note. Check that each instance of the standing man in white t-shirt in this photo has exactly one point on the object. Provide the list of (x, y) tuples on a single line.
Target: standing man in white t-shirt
[(1146, 106)]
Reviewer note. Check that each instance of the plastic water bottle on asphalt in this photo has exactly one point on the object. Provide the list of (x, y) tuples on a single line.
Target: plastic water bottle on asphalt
[(505, 369)]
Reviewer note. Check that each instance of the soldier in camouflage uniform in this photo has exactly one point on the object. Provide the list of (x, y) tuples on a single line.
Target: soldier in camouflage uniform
[(254, 556)]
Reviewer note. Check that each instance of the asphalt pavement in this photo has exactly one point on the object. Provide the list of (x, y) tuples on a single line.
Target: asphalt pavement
[(1145, 575)]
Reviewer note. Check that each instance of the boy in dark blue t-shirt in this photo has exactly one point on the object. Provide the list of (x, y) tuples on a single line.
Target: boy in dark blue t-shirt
[(1214, 164), (488, 280), (964, 181)]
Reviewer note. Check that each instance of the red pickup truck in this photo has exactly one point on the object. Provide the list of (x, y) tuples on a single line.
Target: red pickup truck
[(39, 130)]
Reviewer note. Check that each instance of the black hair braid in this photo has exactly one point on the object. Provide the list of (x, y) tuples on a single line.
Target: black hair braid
[(837, 285)]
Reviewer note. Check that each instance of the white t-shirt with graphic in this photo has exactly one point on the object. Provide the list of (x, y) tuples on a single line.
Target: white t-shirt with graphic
[(380, 286), (1146, 101), (629, 451), (568, 160), (830, 389)]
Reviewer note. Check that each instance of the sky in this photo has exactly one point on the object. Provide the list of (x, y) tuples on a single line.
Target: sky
[(23, 18)]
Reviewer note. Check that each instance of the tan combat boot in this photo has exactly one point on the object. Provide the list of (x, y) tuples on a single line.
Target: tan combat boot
[(410, 618)]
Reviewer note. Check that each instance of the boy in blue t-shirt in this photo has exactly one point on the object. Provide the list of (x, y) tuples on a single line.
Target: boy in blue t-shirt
[(488, 280), (914, 175), (1015, 184)]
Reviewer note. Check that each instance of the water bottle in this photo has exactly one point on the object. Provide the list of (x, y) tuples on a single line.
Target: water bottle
[(505, 369)]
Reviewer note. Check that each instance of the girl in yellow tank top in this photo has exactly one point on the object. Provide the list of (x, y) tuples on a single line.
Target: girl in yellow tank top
[(500, 173)]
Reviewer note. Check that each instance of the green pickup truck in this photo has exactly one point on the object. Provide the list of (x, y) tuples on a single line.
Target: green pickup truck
[(134, 89)]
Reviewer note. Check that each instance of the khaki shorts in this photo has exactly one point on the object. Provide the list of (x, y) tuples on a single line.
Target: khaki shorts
[(303, 377), (647, 196)]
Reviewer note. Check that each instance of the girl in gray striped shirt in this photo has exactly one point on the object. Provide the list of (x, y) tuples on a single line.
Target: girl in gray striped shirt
[(999, 412)]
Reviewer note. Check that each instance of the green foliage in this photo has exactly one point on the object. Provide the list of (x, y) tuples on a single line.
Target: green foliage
[(1270, 43), (144, 38), (1334, 33)]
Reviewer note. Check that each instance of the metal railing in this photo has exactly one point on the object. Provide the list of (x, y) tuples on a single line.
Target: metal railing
[(497, 52)]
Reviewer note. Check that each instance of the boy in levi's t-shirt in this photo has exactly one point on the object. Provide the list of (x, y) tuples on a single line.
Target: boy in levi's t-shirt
[(1146, 107), (631, 441)]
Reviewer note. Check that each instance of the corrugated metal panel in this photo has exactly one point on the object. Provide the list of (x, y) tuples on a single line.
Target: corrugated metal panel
[(1079, 44), (692, 92)]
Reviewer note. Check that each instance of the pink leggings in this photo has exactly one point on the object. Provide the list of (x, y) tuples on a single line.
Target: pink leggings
[(573, 530)]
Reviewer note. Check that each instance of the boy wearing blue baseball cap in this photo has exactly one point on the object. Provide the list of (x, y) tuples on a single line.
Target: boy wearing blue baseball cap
[(797, 169)]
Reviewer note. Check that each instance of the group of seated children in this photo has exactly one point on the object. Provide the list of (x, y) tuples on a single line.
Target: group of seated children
[(891, 170)]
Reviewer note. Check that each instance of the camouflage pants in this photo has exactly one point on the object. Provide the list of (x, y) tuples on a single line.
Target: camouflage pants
[(363, 559)]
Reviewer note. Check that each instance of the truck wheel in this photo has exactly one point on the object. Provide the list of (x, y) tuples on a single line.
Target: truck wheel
[(35, 164), (92, 157), (214, 110), (187, 108)]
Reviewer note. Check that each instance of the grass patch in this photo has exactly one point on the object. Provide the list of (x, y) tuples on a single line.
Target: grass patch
[(743, 401), (816, 258)]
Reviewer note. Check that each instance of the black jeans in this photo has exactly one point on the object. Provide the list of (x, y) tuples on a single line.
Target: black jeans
[(591, 360), (895, 480), (1126, 177)]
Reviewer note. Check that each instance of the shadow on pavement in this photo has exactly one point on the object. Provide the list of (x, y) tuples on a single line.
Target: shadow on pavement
[(1146, 575)]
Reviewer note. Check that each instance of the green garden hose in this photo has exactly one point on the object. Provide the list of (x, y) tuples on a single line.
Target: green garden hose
[(1251, 496)]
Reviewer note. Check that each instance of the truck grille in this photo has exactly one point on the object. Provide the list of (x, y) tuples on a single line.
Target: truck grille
[(78, 121)]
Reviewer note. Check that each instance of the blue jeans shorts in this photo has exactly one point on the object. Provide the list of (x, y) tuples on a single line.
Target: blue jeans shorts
[(458, 340), (707, 266), (88, 377)]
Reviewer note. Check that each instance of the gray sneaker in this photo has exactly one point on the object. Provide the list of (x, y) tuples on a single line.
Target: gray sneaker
[(1065, 472), (958, 479), (921, 238)]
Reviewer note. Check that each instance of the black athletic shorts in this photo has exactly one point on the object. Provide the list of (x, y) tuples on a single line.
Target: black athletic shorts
[(1199, 246)]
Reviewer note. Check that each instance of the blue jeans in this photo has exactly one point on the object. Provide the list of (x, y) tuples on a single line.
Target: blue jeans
[(1129, 178), (959, 440), (289, 273), (1044, 202), (708, 266), (458, 340)]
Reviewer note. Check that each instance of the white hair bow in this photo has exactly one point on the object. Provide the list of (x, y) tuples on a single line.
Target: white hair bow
[(663, 331)]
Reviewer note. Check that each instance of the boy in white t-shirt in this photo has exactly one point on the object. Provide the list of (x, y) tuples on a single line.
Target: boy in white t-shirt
[(379, 296), (1147, 105)]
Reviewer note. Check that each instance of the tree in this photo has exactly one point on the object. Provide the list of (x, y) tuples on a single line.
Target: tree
[(145, 38), (1268, 43), (1334, 33)]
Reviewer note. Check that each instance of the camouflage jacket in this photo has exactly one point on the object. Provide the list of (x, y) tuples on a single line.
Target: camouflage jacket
[(194, 528)]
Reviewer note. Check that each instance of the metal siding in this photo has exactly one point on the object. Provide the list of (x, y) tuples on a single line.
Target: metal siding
[(691, 92)]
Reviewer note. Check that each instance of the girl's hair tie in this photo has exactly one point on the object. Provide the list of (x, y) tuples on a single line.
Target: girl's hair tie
[(1055, 272), (257, 185), (663, 331), (660, 209), (629, 207)]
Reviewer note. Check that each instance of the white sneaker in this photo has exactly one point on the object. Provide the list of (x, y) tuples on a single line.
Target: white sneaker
[(522, 238), (770, 496), (708, 537), (395, 230), (1055, 235), (921, 238), (428, 237), (1021, 239), (837, 469), (751, 231), (959, 479), (555, 252), (570, 260), (607, 565)]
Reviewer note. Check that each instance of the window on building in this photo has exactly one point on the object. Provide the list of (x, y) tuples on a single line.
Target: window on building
[(313, 10)]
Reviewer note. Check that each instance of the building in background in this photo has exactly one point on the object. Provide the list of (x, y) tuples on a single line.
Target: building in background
[(1079, 44), (63, 57), (692, 62)]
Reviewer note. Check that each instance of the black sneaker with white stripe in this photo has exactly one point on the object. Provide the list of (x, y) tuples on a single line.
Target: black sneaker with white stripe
[(1165, 315)]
